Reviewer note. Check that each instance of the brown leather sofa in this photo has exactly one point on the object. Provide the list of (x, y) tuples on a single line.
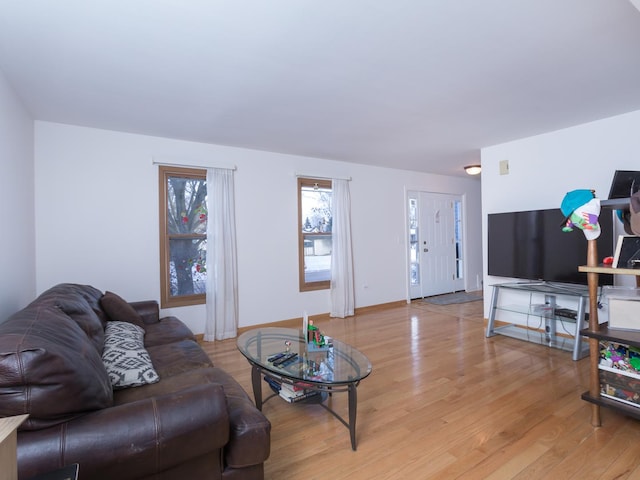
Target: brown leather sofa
[(196, 422)]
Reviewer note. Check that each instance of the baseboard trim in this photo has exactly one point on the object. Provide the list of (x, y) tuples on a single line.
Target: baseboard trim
[(296, 322)]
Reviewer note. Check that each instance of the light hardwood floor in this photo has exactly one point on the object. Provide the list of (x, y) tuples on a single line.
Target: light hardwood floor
[(444, 402)]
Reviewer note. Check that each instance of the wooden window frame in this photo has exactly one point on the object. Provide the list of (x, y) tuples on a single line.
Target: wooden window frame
[(304, 285), (166, 300)]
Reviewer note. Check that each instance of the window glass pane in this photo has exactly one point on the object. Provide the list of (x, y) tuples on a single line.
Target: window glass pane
[(187, 266), (458, 239), (414, 247), (316, 210), (317, 258), (186, 205), (415, 274), (413, 252)]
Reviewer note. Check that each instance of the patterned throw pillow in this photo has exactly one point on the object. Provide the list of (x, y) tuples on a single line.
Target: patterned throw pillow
[(124, 356)]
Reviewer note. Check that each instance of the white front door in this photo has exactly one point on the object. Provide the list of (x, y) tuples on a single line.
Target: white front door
[(435, 244)]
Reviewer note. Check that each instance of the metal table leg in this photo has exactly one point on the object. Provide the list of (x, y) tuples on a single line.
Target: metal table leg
[(256, 374), (353, 406)]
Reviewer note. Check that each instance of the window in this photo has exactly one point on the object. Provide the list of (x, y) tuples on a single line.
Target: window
[(314, 233), (183, 236), (414, 245), (457, 218)]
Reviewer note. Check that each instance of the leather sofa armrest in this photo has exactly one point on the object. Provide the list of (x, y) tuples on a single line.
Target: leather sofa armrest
[(132, 440), (149, 310), (250, 434)]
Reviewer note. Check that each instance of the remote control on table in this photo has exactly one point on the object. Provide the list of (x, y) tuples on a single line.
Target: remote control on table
[(275, 357), (286, 363), (280, 361)]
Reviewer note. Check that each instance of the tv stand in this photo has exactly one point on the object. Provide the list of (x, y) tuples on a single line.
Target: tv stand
[(546, 315)]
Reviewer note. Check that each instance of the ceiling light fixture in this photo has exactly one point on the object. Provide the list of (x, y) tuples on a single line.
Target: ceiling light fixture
[(473, 169)]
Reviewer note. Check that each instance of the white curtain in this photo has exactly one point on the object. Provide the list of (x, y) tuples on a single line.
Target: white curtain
[(342, 291), (222, 273)]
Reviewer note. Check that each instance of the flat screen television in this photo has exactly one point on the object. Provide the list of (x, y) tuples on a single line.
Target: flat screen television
[(531, 245)]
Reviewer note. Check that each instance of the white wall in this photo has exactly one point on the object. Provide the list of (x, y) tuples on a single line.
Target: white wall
[(97, 218), (542, 169), (17, 241)]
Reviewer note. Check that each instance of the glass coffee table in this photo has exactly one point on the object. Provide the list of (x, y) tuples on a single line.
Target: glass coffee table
[(339, 368)]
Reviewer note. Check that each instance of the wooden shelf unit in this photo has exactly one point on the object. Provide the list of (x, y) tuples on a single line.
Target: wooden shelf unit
[(596, 332)]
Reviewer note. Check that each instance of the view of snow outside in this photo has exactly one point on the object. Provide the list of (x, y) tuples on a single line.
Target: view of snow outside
[(199, 279)]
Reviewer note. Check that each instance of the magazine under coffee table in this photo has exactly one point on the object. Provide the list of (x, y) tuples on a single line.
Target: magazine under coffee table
[(336, 369)]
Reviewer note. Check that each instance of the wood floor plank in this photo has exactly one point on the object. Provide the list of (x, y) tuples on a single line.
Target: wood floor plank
[(444, 402)]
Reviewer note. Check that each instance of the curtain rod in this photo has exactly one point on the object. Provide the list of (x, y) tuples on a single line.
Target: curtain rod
[(319, 177), (185, 165)]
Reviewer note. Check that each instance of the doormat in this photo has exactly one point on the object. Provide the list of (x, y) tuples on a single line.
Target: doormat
[(452, 298)]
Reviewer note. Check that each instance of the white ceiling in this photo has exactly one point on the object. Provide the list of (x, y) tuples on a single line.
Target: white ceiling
[(411, 84)]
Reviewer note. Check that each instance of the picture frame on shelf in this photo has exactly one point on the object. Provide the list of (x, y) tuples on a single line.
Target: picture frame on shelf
[(627, 253)]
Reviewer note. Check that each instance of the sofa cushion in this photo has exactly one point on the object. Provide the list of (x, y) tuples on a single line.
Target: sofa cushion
[(91, 295), (167, 330), (49, 368), (118, 309), (170, 385), (178, 357), (126, 360), (80, 303), (79, 310)]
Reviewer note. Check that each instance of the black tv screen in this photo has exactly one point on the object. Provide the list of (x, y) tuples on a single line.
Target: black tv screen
[(531, 245)]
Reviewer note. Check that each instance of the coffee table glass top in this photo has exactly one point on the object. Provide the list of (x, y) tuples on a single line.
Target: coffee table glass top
[(341, 364)]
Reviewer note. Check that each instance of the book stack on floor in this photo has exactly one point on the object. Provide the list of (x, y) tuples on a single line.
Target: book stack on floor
[(291, 393)]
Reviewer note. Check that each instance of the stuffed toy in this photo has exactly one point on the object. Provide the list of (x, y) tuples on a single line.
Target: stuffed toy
[(581, 210)]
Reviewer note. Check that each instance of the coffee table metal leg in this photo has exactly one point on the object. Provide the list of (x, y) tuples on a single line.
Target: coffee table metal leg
[(257, 385), (353, 405)]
